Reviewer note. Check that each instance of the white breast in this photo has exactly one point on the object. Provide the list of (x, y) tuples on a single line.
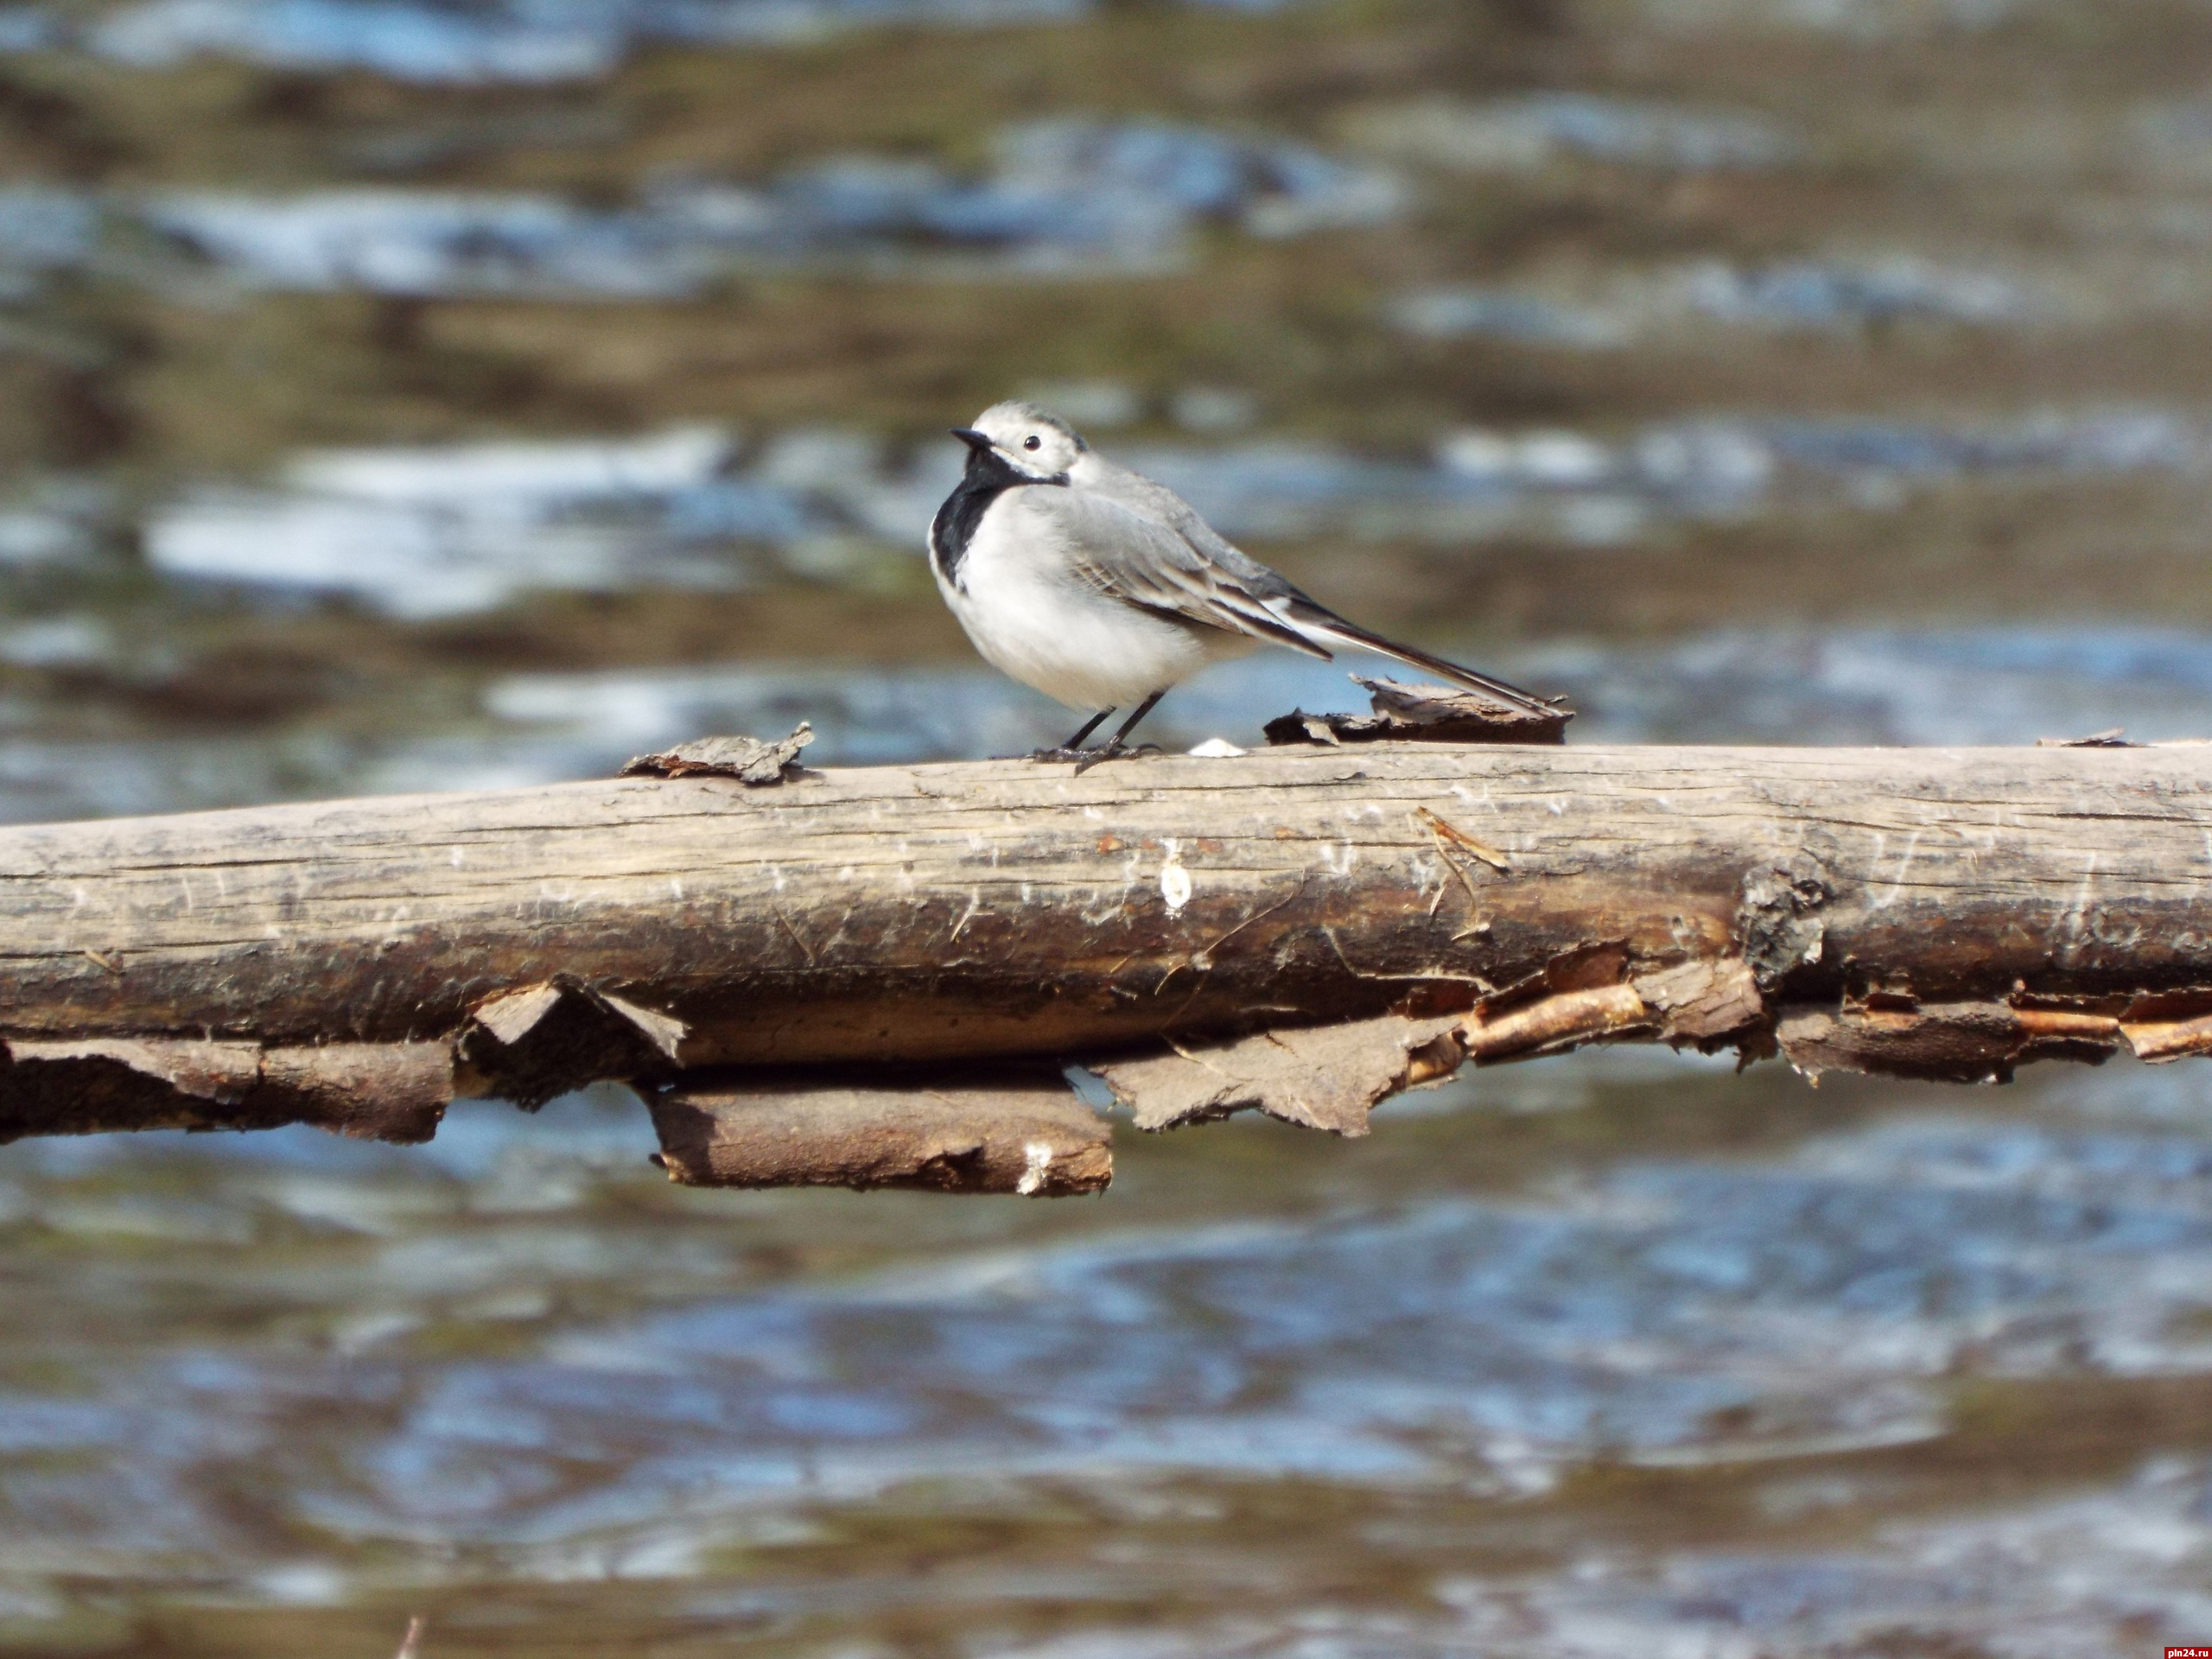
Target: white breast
[(1032, 621)]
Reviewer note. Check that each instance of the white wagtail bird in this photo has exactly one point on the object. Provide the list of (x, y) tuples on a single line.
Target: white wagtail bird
[(1102, 589)]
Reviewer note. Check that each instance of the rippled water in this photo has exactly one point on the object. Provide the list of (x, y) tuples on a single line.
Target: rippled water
[(407, 394), (1561, 1354)]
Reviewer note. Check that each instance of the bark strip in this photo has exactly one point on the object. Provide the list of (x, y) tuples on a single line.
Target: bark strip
[(375, 1091), (1023, 1135)]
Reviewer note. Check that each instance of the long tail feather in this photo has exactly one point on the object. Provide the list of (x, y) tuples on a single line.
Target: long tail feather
[(1335, 630)]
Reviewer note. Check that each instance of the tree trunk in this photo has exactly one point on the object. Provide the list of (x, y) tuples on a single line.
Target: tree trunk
[(1171, 921)]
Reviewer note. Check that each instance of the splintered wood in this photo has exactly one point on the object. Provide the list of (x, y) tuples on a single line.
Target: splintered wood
[(1302, 932)]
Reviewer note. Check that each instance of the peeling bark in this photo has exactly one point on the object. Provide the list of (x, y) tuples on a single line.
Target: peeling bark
[(1025, 1135), (1956, 1042), (1318, 1076), (2170, 1039), (1703, 1003), (375, 1091), (530, 1045)]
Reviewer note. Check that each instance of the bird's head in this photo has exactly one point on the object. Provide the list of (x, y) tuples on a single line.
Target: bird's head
[(1032, 442)]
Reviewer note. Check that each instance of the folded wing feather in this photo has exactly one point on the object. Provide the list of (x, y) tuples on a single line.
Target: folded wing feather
[(1125, 554), (1136, 540)]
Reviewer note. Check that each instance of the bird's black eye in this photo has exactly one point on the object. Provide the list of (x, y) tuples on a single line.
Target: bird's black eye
[(1033, 441)]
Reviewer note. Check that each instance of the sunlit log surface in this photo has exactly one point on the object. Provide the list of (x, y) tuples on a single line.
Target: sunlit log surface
[(1182, 925)]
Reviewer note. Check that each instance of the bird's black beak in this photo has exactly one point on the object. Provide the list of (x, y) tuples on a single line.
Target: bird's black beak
[(972, 438)]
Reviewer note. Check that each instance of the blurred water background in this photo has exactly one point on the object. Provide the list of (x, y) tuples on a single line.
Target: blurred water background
[(403, 394)]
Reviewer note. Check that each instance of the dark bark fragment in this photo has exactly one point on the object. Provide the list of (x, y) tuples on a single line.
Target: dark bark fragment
[(1421, 714), (1954, 1042), (1778, 925), (531, 1044), (745, 759), (371, 1091), (2114, 737), (379, 1091), (1021, 1132)]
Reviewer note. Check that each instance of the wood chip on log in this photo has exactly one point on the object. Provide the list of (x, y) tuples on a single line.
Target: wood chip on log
[(748, 760), (1421, 714), (2111, 738)]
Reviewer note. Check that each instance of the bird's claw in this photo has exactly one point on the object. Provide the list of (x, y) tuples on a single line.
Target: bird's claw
[(1116, 750), (1063, 752)]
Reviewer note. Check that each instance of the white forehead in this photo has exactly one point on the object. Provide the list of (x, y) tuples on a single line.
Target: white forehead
[(1008, 423)]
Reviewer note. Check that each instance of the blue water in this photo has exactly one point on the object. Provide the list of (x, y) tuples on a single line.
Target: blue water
[(518, 1355), (406, 394)]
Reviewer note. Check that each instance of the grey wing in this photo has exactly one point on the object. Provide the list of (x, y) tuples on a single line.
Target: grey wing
[(1264, 603), (1153, 500), (1114, 549)]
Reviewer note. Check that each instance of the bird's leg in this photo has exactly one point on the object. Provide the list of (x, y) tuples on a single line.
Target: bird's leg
[(1073, 749), (1134, 721), (1113, 745), (1088, 727)]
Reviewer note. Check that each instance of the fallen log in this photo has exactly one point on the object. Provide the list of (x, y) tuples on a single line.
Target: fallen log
[(1302, 931)]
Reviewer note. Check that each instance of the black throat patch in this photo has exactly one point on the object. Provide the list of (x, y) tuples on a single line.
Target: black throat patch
[(990, 475)]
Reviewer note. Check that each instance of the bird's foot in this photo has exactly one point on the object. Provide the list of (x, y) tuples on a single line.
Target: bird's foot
[(1116, 750), (1063, 752)]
